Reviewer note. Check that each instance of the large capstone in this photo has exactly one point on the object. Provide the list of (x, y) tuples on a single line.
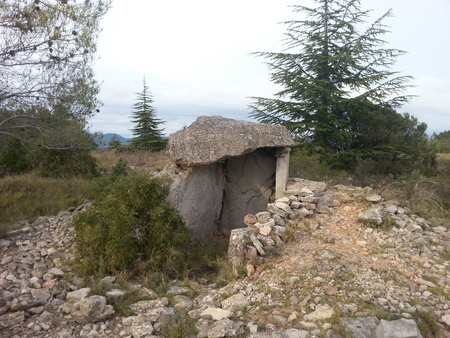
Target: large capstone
[(211, 139)]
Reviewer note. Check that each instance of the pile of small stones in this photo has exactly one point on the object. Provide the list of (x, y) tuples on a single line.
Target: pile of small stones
[(335, 265), (267, 229)]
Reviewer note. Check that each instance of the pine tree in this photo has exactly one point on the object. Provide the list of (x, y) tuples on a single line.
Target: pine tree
[(331, 76), (148, 134)]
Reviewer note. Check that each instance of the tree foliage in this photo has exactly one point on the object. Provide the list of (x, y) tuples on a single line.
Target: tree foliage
[(442, 141), (147, 132), (46, 81), (331, 75)]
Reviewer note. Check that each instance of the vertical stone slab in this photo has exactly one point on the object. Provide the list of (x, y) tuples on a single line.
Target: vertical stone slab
[(250, 181), (198, 198), (282, 171)]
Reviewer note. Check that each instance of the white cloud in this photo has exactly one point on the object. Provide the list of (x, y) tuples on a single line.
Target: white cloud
[(195, 56)]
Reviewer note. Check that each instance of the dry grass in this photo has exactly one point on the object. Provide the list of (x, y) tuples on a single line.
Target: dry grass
[(28, 196), (443, 157), (138, 160), (427, 196)]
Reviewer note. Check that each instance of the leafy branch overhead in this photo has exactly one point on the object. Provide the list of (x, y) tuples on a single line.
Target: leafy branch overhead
[(46, 51), (47, 84)]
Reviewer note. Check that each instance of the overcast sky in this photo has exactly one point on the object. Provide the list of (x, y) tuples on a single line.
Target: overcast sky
[(196, 58)]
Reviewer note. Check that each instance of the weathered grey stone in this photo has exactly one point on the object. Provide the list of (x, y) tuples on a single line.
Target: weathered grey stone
[(94, 309), (289, 333), (178, 290), (11, 319), (303, 212), (141, 327), (223, 328), (249, 185), (209, 299), (371, 216), (283, 206), (446, 319), (220, 195), (237, 245), (234, 302), (56, 272), (284, 200), (183, 302), (143, 306), (279, 220), (77, 295), (402, 328), (265, 230), (321, 312), (361, 327), (279, 230), (277, 211), (266, 241), (270, 223), (373, 198), (4, 243), (197, 194), (296, 204), (212, 139), (259, 247), (25, 302), (391, 208)]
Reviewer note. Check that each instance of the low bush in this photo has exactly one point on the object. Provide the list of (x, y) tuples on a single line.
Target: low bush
[(130, 227)]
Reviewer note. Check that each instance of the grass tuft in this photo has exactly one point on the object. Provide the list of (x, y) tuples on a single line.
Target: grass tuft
[(29, 196)]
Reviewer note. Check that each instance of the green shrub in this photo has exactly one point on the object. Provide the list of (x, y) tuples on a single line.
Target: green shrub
[(130, 227)]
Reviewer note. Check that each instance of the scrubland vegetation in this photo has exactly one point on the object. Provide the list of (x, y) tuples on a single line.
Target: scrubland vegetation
[(145, 215), (48, 160)]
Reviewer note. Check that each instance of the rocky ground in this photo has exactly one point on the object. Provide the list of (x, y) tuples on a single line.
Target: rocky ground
[(338, 276)]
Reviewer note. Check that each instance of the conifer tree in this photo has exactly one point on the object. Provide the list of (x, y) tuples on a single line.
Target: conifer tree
[(147, 132), (331, 76)]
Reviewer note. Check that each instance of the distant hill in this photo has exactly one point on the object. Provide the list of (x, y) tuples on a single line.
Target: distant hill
[(103, 142)]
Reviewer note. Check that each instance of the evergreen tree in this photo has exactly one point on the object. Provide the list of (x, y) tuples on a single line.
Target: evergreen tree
[(148, 134), (331, 76)]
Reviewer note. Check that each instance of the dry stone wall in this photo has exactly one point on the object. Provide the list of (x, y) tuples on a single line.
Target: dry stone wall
[(267, 229)]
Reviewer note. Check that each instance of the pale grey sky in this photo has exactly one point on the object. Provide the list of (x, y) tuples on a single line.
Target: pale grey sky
[(195, 56)]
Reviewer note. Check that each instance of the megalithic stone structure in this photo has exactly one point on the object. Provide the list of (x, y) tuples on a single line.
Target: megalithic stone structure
[(226, 169)]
